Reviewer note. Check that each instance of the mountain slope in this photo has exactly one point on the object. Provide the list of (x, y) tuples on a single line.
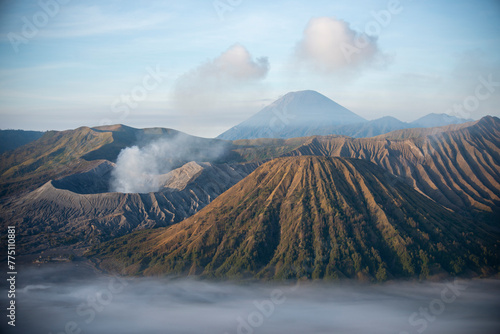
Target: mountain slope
[(55, 154), (358, 130), (296, 114), (435, 120), (78, 210), (12, 139), (308, 113), (457, 166), (313, 217), (366, 129), (59, 154)]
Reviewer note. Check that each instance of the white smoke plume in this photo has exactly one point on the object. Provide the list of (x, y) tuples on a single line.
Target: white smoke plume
[(138, 168)]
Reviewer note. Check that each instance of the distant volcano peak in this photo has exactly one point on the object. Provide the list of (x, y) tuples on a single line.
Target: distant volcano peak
[(295, 114)]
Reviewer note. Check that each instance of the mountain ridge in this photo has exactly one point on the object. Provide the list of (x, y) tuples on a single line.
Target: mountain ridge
[(309, 113), (58, 154), (457, 166), (80, 210), (12, 139), (430, 120), (311, 217), (426, 158), (429, 161)]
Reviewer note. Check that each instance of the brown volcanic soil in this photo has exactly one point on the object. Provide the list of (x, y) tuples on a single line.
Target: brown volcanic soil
[(314, 217), (78, 210), (457, 166)]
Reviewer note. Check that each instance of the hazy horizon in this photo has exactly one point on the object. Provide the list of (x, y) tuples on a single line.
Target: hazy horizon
[(155, 126)]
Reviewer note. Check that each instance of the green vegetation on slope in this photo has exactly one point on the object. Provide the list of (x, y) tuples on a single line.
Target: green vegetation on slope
[(55, 154), (61, 153), (12, 139), (313, 217)]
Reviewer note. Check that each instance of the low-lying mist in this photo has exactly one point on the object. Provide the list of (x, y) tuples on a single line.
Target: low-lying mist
[(138, 167), (72, 299)]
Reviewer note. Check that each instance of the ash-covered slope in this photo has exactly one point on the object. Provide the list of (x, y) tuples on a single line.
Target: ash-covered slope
[(78, 210), (94, 181), (457, 166), (314, 217)]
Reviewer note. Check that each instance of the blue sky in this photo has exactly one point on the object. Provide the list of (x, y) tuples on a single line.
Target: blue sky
[(192, 67)]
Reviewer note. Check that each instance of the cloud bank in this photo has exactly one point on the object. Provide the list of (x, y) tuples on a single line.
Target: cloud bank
[(214, 79), (105, 304), (329, 45), (235, 64)]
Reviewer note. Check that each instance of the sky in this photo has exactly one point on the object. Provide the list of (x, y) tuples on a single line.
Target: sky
[(204, 66)]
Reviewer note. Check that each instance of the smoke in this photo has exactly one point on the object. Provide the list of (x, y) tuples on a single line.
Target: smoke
[(138, 169), (54, 297)]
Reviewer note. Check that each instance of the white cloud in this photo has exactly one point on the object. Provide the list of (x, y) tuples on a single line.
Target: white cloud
[(235, 64), (330, 45), (213, 81)]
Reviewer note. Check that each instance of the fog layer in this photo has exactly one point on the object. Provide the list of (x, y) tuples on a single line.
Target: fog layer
[(73, 299)]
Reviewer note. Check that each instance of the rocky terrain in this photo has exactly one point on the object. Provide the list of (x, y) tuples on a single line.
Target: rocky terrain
[(313, 217), (458, 166), (79, 210), (58, 154), (415, 202)]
